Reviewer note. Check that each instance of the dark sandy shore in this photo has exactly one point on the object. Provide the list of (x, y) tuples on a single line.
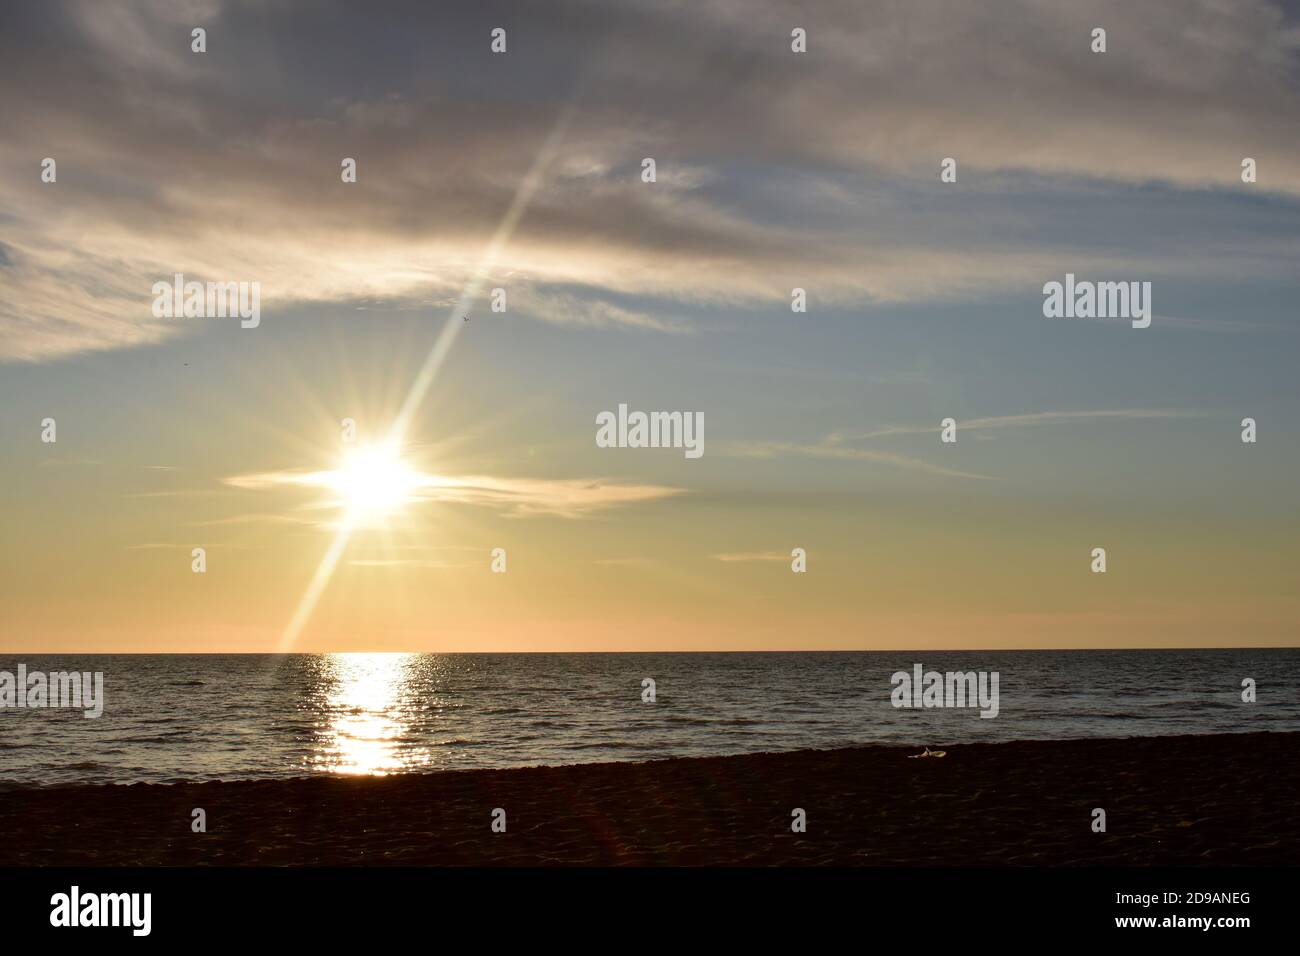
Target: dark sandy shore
[(1229, 799)]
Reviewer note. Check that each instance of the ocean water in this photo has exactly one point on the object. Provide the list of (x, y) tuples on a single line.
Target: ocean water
[(169, 718)]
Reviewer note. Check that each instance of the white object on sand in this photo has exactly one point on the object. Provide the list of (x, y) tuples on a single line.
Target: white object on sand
[(928, 753)]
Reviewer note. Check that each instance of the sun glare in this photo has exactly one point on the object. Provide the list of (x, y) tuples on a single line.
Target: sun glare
[(373, 480)]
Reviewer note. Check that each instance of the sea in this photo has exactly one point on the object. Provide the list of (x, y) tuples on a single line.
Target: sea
[(169, 718)]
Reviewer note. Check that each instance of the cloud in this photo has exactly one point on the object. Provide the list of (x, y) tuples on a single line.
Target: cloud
[(837, 439), (161, 546), (175, 493), (777, 449), (776, 170), (519, 497), (533, 496), (405, 563), (752, 556), (1219, 325), (258, 517), (568, 309)]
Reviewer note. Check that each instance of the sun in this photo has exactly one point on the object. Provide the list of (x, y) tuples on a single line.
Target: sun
[(373, 480)]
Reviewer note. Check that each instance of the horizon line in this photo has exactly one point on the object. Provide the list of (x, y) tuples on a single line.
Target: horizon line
[(836, 650)]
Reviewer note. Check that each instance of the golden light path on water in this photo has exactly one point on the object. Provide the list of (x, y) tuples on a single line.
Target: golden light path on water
[(363, 729), (429, 370)]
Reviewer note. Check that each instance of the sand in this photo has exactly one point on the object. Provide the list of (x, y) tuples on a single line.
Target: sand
[(1226, 799)]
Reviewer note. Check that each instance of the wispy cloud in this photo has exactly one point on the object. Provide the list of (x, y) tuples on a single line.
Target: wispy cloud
[(585, 311), (255, 517), (573, 498), (519, 497), (1025, 420), (166, 546), (406, 563), (1218, 325), (777, 449), (175, 493), (743, 556), (846, 446)]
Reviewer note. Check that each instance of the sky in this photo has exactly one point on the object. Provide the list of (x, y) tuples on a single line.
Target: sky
[(523, 170)]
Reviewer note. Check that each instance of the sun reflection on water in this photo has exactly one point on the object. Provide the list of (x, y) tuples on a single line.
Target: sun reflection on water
[(364, 709)]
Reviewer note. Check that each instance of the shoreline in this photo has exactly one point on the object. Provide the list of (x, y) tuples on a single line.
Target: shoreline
[(8, 787), (1216, 799)]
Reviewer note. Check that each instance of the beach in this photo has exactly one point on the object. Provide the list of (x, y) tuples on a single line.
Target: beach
[(1224, 799)]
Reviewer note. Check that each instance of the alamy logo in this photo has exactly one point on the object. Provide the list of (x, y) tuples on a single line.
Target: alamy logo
[(80, 690), (103, 909), (923, 688), (208, 300), (1098, 300), (653, 430)]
